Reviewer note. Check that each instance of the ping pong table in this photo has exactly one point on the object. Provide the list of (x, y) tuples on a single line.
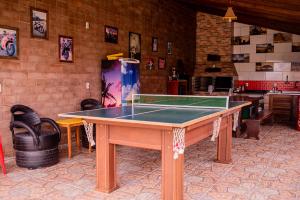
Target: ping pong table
[(167, 123)]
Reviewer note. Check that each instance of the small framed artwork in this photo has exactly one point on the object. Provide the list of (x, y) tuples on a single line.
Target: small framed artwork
[(161, 63), (111, 34), (65, 44), (150, 64), (169, 48), (264, 67), (154, 44), (39, 21), (135, 45), (9, 41)]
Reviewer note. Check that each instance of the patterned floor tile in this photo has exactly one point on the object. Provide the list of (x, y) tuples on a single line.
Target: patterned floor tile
[(268, 168)]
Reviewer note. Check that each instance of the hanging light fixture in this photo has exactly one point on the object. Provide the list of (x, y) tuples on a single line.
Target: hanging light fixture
[(230, 16)]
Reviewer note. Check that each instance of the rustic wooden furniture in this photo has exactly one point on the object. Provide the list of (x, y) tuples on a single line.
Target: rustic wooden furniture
[(155, 128), (69, 124), (247, 112), (281, 105), (2, 158), (253, 125)]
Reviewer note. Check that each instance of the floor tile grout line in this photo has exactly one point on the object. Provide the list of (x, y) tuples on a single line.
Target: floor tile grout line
[(266, 169), (227, 172)]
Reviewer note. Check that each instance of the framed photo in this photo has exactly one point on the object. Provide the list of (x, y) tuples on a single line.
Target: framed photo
[(9, 42), (240, 40), (265, 48), (264, 67), (39, 21), (257, 30), (65, 44), (240, 58), (169, 48), (111, 34), (282, 37), (154, 44), (161, 63), (150, 64), (296, 47), (135, 45)]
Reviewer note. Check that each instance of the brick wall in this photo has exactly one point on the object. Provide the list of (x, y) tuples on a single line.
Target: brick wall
[(213, 36), (39, 80)]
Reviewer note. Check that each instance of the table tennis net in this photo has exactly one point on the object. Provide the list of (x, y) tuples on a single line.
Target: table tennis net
[(221, 102)]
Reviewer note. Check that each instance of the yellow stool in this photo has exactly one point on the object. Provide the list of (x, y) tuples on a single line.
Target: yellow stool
[(69, 123)]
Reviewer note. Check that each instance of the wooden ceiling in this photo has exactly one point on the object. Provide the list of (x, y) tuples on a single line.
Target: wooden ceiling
[(283, 15)]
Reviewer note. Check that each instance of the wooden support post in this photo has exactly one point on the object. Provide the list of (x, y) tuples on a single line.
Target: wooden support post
[(224, 144), (172, 170), (105, 160)]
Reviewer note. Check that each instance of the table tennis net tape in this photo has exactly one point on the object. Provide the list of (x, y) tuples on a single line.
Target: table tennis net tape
[(89, 132)]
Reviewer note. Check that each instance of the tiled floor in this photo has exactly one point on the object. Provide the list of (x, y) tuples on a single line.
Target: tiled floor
[(264, 169)]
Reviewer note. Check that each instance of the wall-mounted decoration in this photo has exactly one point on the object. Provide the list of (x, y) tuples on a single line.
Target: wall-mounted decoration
[(240, 58), (154, 44), (169, 48), (296, 47), (135, 45), (65, 44), (150, 64), (295, 67), (265, 48), (241, 40), (161, 63), (111, 34), (282, 37), (264, 67), (39, 21), (9, 42), (257, 30)]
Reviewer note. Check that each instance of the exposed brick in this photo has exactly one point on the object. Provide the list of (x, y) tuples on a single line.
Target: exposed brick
[(40, 81)]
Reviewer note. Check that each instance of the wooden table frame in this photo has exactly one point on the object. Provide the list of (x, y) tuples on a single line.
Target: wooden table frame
[(111, 133)]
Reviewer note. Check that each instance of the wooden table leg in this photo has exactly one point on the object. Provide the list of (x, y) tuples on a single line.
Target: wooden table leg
[(78, 137), (105, 160), (69, 141), (172, 170), (224, 144)]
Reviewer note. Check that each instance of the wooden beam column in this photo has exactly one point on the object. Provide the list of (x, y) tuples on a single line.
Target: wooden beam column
[(172, 170), (105, 160)]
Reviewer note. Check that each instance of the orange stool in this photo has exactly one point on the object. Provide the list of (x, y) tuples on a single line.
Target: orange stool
[(69, 123), (2, 158)]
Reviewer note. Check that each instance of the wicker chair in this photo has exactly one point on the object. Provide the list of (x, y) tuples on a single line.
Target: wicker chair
[(36, 146), (88, 104)]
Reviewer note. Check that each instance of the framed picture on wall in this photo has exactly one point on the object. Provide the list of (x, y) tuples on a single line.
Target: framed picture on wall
[(65, 44), (154, 44), (135, 45), (9, 39), (111, 34), (39, 21), (169, 48), (161, 63)]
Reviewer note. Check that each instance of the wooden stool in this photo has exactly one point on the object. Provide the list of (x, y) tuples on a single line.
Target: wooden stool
[(2, 158), (69, 123)]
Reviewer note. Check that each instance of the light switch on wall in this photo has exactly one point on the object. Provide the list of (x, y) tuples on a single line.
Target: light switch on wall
[(87, 85)]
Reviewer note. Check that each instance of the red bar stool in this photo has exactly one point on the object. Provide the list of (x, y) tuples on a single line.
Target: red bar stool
[(2, 158)]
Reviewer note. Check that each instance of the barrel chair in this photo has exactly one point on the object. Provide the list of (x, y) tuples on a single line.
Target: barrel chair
[(36, 144), (88, 104)]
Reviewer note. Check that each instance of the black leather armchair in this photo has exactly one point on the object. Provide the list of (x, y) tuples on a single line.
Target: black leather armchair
[(35, 145)]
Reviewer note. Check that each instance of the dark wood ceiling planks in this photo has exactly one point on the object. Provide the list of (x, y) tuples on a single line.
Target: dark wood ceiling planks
[(283, 15)]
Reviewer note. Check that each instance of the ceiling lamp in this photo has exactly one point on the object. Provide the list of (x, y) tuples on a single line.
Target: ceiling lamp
[(230, 16)]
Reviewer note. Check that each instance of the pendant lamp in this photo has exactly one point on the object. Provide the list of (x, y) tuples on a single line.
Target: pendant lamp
[(230, 16)]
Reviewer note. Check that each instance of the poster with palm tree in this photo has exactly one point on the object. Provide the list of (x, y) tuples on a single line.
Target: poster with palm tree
[(111, 83)]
